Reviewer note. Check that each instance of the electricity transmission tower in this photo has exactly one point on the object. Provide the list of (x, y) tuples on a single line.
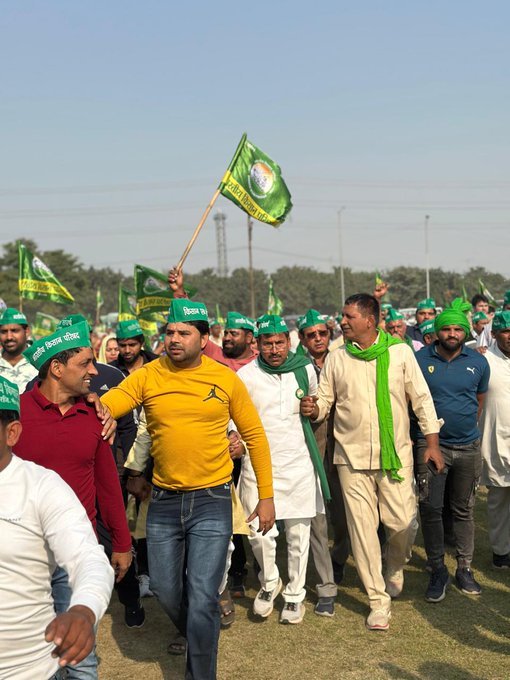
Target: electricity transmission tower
[(221, 243)]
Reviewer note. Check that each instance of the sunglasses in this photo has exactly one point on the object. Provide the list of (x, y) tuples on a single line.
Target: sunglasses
[(313, 334)]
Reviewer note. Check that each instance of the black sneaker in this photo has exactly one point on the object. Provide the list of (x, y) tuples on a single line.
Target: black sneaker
[(501, 561), (338, 572), (466, 581), (439, 580), (236, 585), (134, 617)]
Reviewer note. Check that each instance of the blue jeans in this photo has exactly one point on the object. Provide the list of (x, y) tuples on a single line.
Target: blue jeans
[(187, 540), (61, 593)]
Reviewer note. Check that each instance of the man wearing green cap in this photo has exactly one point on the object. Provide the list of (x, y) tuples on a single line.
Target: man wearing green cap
[(396, 326), (425, 311), (216, 334), (43, 523), (13, 338), (274, 384), (371, 380), (458, 379), (495, 429), (428, 331), (130, 339), (189, 400), (236, 349)]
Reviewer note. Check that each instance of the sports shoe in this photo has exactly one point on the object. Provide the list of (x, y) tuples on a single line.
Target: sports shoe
[(145, 586), (501, 561), (394, 580), (236, 585), (338, 572), (293, 612), (466, 581), (378, 619), (263, 603), (325, 606), (439, 580), (134, 617)]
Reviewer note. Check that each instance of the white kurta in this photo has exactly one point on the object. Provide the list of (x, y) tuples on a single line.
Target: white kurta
[(296, 491), (495, 421)]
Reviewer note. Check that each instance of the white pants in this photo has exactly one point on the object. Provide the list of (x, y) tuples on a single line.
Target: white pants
[(297, 534), (498, 512), (224, 580)]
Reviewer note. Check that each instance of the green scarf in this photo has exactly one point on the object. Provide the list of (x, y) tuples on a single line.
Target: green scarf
[(296, 364), (390, 462), (409, 342)]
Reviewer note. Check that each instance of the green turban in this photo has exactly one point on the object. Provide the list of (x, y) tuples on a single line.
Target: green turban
[(13, 316), (455, 315), (128, 329), (9, 395), (479, 316), (236, 320), (501, 321), (394, 315), (183, 310), (72, 320), (427, 303), (271, 324), (312, 318), (427, 327), (66, 338)]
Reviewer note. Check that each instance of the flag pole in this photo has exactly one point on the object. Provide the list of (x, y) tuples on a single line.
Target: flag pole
[(250, 267), (197, 230), (20, 302)]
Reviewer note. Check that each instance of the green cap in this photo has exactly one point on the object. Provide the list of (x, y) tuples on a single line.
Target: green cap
[(184, 310), (479, 316), (236, 320), (428, 303), (501, 321), (270, 324), (506, 298), (128, 329), (72, 320), (312, 318), (386, 305), (427, 327), (12, 315), (394, 315), (215, 322), (9, 395), (66, 338)]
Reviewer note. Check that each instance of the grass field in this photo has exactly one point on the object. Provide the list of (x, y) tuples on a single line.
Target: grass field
[(461, 638)]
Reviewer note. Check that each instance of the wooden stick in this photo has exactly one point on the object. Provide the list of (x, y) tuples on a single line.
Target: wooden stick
[(197, 230), (20, 302)]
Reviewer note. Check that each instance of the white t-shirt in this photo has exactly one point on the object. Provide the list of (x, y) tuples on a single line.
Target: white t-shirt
[(42, 525)]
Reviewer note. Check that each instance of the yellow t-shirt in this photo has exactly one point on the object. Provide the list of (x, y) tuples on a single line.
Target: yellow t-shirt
[(187, 411)]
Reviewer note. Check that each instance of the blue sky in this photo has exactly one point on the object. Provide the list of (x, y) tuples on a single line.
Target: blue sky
[(119, 118)]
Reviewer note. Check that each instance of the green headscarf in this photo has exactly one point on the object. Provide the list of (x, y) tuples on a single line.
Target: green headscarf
[(297, 365), (390, 462), (455, 315)]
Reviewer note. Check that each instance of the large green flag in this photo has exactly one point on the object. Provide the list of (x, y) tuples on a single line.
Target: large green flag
[(36, 280), (127, 304), (274, 304), (254, 182), (152, 291), (45, 324)]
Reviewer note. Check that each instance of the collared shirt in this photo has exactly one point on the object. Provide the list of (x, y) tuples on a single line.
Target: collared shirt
[(72, 446), (454, 386), (495, 421), (352, 383), (21, 373)]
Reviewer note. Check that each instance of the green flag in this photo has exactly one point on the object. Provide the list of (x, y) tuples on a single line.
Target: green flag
[(219, 318), (36, 280), (45, 324), (127, 304), (254, 182), (274, 304), (464, 294), (152, 291), (485, 291)]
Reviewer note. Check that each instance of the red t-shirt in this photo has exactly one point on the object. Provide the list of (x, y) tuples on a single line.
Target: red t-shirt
[(215, 352), (72, 446)]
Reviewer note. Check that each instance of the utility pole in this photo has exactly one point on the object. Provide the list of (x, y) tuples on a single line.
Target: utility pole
[(221, 244), (250, 267), (427, 254), (341, 255)]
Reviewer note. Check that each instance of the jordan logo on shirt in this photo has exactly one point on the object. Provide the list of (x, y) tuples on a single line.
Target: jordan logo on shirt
[(212, 395)]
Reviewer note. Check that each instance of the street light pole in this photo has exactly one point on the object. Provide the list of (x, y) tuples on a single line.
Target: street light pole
[(341, 255), (427, 254)]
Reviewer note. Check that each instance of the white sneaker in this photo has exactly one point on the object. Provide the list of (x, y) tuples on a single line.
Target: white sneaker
[(394, 580), (293, 612), (378, 619), (263, 603), (145, 586)]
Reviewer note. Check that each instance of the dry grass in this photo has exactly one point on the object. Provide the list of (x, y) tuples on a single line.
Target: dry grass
[(459, 639)]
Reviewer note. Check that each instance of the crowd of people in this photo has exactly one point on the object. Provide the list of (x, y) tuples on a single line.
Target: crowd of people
[(345, 435)]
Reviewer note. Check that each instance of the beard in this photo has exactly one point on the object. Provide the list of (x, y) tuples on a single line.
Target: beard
[(234, 351)]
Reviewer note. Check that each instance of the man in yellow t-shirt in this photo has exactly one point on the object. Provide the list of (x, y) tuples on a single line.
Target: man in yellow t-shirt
[(188, 401)]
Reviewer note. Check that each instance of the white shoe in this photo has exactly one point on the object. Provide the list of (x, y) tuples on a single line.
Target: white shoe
[(293, 612), (263, 603), (394, 580), (145, 586), (378, 619)]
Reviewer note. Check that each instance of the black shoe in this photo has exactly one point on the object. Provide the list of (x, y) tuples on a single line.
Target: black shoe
[(466, 581), (338, 572), (439, 580), (134, 618), (501, 561), (236, 585)]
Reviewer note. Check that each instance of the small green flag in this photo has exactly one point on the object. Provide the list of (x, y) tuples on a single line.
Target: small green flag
[(36, 280), (464, 294), (45, 324), (127, 304), (274, 304), (219, 318), (152, 291), (99, 299), (254, 182), (485, 291)]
